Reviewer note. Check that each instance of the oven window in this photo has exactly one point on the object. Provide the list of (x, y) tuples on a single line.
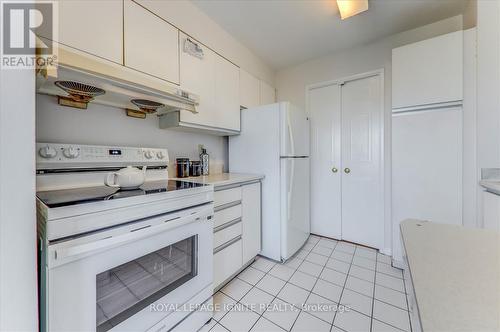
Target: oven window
[(127, 289)]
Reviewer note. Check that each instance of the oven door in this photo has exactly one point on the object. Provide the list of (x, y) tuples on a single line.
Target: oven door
[(133, 276)]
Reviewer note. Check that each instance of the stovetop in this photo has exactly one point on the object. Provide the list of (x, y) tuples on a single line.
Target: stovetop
[(75, 196)]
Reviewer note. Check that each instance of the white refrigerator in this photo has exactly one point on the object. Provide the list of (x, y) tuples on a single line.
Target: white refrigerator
[(274, 141)]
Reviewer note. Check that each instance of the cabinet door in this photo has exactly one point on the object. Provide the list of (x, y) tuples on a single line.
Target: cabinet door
[(198, 76), (428, 72), (491, 211), (251, 217), (267, 94), (151, 44), (249, 90), (93, 26), (227, 94), (426, 145)]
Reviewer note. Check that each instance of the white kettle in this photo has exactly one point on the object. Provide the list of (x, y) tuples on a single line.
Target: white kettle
[(127, 178)]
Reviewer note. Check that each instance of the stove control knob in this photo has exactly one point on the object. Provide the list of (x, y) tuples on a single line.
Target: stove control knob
[(160, 155), (47, 152), (71, 152), (148, 154)]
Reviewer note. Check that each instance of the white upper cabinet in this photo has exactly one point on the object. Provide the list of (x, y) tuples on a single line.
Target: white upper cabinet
[(227, 94), (267, 94), (93, 26), (428, 72), (151, 44), (249, 90), (198, 76), (216, 81)]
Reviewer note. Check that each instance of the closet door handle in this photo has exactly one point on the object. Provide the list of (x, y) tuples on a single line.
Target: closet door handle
[(335, 170), (347, 170)]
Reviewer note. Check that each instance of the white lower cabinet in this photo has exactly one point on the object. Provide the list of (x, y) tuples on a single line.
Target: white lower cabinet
[(237, 229), (491, 211), (251, 216), (227, 261)]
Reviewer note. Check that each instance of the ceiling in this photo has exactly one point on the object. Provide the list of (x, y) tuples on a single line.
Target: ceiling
[(288, 32)]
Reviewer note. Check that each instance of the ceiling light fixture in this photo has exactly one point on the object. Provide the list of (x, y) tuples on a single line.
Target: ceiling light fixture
[(350, 8)]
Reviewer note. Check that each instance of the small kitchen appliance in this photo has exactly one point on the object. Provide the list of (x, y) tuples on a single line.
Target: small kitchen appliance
[(113, 259)]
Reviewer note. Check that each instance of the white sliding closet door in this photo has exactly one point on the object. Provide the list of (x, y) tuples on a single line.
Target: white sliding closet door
[(362, 178), (324, 108), (347, 187)]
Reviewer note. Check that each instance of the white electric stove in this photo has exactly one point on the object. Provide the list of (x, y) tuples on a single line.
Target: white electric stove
[(114, 259)]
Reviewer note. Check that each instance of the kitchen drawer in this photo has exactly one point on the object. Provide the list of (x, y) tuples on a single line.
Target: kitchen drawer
[(227, 261), (227, 196), (227, 232), (226, 215)]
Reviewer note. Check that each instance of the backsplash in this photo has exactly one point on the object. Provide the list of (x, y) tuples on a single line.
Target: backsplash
[(103, 125)]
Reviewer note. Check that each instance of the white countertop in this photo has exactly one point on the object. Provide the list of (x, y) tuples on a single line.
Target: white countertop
[(491, 185), (223, 179), (456, 275)]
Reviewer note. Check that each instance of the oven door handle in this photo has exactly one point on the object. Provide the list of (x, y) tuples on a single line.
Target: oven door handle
[(64, 254)]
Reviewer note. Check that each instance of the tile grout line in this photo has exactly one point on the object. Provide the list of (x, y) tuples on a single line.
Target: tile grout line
[(373, 297), (317, 278), (407, 304), (261, 315), (345, 283), (276, 297)]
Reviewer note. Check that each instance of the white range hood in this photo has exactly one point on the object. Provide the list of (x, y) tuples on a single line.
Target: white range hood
[(121, 84)]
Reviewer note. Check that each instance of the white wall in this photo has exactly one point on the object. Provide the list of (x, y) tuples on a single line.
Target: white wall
[(18, 291), (188, 17), (291, 82), (102, 125)]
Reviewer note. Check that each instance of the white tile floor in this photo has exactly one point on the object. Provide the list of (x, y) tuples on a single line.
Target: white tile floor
[(304, 293)]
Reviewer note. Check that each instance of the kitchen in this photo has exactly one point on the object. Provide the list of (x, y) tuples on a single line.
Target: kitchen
[(241, 233)]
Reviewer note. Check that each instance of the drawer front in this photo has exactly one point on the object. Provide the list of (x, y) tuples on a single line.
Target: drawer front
[(227, 196), (226, 215), (226, 262), (226, 234)]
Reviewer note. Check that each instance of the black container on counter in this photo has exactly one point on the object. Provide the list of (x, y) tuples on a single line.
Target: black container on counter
[(195, 169), (182, 167)]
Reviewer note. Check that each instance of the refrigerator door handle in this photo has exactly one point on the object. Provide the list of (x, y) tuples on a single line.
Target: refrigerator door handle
[(290, 133), (290, 187)]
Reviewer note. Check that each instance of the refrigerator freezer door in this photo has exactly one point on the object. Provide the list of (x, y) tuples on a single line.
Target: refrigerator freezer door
[(294, 131), (295, 223)]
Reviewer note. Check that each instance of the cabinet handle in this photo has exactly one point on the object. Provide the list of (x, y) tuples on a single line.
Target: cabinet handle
[(335, 170), (347, 170)]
